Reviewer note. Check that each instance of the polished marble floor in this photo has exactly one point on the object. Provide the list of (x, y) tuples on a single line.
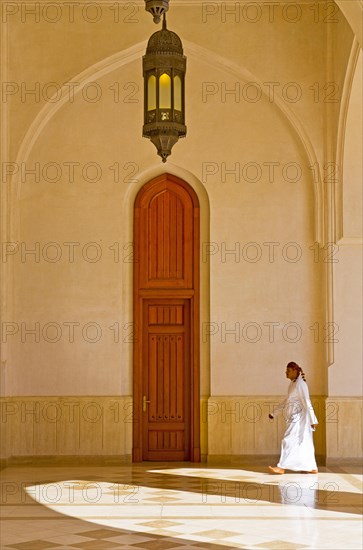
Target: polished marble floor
[(162, 506)]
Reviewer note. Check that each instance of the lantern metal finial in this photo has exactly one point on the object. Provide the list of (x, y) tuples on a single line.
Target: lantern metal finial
[(164, 67), (157, 8)]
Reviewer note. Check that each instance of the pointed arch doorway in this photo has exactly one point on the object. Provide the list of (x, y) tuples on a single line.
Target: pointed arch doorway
[(166, 314)]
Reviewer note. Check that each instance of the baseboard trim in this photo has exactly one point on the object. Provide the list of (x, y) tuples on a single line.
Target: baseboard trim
[(344, 461), (258, 460), (68, 460), (115, 460)]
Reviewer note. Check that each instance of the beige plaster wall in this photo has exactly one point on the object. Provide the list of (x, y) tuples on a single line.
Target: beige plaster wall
[(274, 292), (353, 168), (345, 376), (243, 291)]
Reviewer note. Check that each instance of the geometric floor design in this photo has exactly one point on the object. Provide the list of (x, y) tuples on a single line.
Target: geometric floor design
[(162, 506)]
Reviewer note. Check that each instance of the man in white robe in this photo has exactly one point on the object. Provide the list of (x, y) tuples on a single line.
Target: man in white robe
[(297, 447)]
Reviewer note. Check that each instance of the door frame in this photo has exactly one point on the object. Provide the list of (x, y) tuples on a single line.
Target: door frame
[(193, 295)]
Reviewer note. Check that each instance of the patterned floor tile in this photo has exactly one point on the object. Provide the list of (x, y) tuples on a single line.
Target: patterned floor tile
[(34, 545), (96, 545), (68, 539), (100, 533), (171, 512), (280, 545), (129, 538), (158, 545), (166, 533), (9, 537), (160, 523), (217, 534), (211, 546), (162, 499)]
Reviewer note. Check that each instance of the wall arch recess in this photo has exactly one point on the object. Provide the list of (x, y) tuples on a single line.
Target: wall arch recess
[(193, 51)]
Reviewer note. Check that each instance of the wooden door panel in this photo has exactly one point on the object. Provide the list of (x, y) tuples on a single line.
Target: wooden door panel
[(166, 239), (166, 373), (166, 211), (170, 314), (166, 379)]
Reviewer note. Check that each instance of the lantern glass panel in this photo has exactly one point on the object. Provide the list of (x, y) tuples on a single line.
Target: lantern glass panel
[(177, 93), (151, 93), (164, 91)]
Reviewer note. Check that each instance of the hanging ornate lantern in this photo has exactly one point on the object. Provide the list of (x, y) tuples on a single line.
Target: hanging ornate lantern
[(157, 8), (164, 67)]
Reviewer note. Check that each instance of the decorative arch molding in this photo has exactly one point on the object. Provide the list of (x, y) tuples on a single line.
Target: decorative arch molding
[(343, 115), (353, 13), (122, 58), (127, 268), (223, 64)]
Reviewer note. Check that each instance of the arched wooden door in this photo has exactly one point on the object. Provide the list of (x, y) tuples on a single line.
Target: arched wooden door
[(166, 314)]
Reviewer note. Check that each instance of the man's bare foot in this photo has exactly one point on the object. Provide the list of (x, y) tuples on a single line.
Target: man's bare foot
[(276, 470), (311, 472)]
